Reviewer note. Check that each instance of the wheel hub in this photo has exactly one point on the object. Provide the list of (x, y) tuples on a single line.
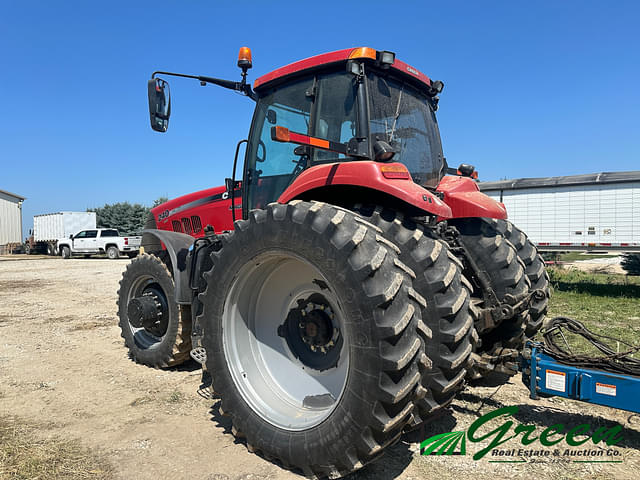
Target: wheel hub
[(311, 334), (149, 311)]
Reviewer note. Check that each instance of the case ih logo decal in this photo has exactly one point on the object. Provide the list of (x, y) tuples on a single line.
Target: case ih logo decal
[(413, 71), (455, 443)]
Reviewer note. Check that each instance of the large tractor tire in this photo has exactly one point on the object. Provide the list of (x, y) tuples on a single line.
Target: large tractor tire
[(440, 281), (497, 258), (534, 270), (155, 328), (311, 330)]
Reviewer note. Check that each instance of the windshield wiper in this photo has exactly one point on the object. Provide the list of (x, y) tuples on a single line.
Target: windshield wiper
[(397, 114)]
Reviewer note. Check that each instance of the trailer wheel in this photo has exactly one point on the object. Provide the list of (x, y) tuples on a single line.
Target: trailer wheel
[(498, 259), (311, 332), (155, 328), (113, 253), (51, 250), (534, 270), (66, 252), (440, 281)]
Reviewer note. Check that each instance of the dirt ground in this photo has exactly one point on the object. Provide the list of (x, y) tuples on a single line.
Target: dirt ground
[(64, 367)]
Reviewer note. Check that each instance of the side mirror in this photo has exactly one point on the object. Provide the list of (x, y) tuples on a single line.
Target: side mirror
[(467, 170), (159, 104), (230, 184), (71, 237)]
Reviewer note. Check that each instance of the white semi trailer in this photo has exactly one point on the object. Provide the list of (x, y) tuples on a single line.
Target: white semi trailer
[(51, 227), (599, 211)]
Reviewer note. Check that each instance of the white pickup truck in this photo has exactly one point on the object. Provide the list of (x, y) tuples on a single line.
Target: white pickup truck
[(99, 240)]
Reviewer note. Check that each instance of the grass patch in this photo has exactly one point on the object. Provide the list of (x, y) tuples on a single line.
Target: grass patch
[(175, 397), (25, 456), (577, 256), (599, 284), (605, 304)]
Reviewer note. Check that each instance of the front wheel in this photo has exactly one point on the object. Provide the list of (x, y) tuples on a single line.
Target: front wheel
[(311, 335), (113, 253), (66, 252), (155, 328)]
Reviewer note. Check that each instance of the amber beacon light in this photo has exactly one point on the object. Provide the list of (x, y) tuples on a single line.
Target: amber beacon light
[(244, 58)]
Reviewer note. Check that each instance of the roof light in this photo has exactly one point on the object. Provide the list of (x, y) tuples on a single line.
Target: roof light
[(395, 171), (244, 58), (363, 52), (387, 58)]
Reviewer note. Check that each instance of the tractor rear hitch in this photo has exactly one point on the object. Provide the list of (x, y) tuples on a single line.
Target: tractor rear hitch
[(491, 317)]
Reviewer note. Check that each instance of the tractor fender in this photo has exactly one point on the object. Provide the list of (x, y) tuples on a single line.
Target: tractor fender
[(368, 175), (178, 246), (466, 200)]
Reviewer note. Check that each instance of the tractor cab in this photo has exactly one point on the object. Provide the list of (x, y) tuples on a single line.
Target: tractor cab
[(352, 105), (320, 111)]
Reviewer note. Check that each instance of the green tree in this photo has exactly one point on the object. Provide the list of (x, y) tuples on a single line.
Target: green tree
[(159, 201), (631, 263), (128, 218)]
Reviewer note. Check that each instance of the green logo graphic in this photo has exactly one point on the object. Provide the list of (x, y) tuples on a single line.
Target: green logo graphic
[(445, 443), (484, 429)]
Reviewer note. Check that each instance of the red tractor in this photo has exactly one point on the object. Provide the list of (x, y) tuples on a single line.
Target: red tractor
[(345, 287)]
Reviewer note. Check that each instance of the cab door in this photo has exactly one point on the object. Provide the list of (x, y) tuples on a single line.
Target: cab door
[(85, 241)]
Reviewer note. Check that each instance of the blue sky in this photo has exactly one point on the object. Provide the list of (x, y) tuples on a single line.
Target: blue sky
[(531, 88)]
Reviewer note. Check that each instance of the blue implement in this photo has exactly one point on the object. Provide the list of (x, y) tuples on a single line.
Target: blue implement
[(544, 376)]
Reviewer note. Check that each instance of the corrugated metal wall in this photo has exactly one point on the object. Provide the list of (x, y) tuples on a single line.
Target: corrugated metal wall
[(582, 213), (10, 220)]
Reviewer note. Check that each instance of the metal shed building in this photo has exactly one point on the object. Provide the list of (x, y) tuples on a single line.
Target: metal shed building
[(10, 217), (599, 211)]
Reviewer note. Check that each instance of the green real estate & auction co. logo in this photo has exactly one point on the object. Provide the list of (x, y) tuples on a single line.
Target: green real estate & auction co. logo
[(455, 443)]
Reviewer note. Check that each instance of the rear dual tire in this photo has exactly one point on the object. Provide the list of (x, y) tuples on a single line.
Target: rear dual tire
[(534, 269), (340, 414), (440, 281), (497, 258)]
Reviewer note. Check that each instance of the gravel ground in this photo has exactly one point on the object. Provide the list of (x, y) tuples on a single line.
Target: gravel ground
[(63, 365)]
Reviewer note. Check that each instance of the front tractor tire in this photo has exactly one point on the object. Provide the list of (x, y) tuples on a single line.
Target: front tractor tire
[(156, 330), (440, 281), (311, 330)]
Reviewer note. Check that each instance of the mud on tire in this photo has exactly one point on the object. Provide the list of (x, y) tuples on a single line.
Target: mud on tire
[(440, 281), (149, 273), (275, 264)]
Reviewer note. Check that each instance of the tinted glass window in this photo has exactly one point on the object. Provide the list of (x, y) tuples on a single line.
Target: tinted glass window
[(403, 117), (92, 233), (82, 234), (109, 233), (273, 164), (335, 113)]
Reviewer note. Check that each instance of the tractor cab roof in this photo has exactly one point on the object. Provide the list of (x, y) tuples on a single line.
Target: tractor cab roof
[(335, 58)]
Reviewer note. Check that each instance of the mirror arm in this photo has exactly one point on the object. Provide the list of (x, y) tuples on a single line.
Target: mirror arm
[(241, 87)]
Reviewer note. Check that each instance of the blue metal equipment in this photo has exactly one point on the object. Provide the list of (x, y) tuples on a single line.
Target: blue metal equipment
[(544, 376)]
